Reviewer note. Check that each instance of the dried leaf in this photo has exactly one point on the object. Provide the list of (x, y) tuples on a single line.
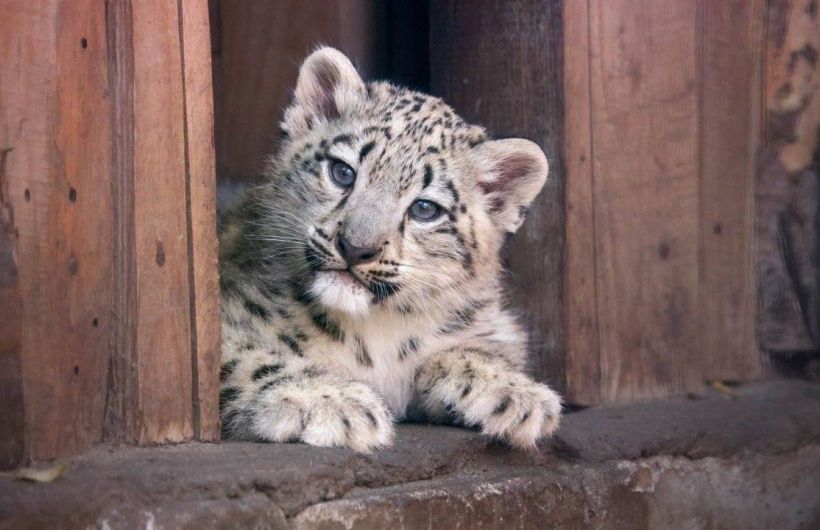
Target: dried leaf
[(723, 388), (37, 475)]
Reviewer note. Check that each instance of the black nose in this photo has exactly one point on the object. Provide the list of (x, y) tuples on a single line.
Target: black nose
[(355, 255)]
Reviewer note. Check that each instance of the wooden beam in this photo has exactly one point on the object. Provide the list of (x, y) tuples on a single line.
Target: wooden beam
[(121, 417), (58, 223), (164, 378), (730, 133), (664, 96), (108, 275), (581, 302), (163, 385), (203, 264)]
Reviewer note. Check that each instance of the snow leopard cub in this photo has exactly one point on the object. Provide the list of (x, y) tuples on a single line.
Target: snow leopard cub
[(361, 282)]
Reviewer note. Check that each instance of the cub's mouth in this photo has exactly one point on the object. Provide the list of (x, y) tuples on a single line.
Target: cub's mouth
[(345, 278), (341, 290)]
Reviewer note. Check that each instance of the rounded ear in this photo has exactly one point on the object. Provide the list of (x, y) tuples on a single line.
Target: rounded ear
[(512, 173), (328, 86)]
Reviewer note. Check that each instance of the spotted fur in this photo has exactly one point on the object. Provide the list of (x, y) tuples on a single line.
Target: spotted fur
[(328, 353)]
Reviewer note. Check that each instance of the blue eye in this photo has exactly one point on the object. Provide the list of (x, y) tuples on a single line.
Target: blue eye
[(426, 211), (341, 174)]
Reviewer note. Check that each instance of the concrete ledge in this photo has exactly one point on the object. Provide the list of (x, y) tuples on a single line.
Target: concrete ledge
[(749, 462), (758, 491)]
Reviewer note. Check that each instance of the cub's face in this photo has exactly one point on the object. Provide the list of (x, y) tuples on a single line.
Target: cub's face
[(385, 197)]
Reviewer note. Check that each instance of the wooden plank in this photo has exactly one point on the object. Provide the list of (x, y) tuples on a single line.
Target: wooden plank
[(121, 413), (731, 57), (55, 115), (161, 236), (501, 64), (788, 183), (109, 310), (645, 180), (258, 47), (201, 212), (580, 303)]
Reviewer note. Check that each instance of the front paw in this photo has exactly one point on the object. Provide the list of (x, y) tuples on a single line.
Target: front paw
[(347, 414), (515, 410)]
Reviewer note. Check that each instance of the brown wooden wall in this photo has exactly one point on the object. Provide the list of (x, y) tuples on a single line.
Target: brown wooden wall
[(663, 253), (664, 126), (107, 237)]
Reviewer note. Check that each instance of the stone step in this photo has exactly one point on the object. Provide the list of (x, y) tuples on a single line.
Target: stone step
[(748, 460)]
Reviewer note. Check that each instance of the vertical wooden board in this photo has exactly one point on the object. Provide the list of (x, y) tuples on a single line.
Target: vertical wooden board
[(501, 64), (258, 47), (202, 242), (23, 74), (82, 142), (121, 414), (645, 178), (56, 138), (580, 301), (731, 58), (161, 242)]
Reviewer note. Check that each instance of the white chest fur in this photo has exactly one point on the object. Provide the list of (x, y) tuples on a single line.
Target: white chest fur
[(388, 371)]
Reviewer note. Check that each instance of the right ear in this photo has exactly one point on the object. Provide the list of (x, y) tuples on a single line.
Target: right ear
[(327, 88)]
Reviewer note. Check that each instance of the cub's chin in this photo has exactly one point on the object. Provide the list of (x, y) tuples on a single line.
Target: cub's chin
[(341, 291)]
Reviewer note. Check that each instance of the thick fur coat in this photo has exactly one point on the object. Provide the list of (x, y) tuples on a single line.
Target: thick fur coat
[(361, 281)]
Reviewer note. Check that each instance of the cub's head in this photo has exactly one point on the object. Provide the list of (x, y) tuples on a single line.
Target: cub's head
[(384, 197)]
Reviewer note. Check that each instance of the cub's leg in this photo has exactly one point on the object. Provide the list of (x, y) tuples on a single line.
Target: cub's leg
[(289, 399), (473, 387)]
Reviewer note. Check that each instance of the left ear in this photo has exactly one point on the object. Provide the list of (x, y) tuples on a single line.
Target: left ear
[(327, 88), (512, 173)]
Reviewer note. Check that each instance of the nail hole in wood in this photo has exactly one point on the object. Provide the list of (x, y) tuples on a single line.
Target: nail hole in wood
[(160, 257), (72, 195), (95, 323), (27, 195), (73, 265), (84, 43), (76, 370)]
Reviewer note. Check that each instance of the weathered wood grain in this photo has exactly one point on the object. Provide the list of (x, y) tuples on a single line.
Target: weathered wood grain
[(53, 95), (730, 69), (201, 212), (161, 245), (121, 414), (501, 64), (643, 81), (671, 91), (583, 362), (108, 276)]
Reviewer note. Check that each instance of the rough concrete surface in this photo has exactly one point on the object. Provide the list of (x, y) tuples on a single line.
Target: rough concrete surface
[(711, 462)]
